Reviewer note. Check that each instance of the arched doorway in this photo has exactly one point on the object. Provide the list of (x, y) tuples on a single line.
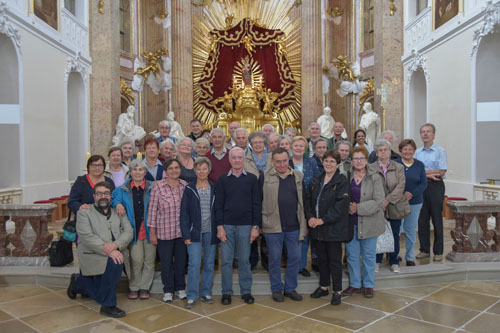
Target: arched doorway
[(417, 105), (77, 120), (10, 115)]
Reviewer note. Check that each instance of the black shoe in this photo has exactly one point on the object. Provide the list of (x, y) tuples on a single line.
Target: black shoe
[(71, 288), (248, 298), (319, 293), (294, 296), (112, 311), (400, 259), (315, 268), (410, 263), (304, 272), (336, 298), (226, 299), (265, 265), (278, 296)]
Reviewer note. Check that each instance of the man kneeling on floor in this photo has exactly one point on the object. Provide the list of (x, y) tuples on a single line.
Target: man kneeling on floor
[(102, 234)]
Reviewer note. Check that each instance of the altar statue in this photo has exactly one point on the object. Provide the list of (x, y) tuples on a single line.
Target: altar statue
[(227, 100), (126, 129), (175, 127), (269, 97), (370, 123), (326, 123), (246, 73)]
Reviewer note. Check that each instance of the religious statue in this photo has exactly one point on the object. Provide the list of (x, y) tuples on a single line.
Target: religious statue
[(126, 129), (269, 97), (249, 46), (158, 63), (227, 100), (175, 127), (370, 123), (326, 123), (229, 21), (348, 75), (246, 72), (213, 43)]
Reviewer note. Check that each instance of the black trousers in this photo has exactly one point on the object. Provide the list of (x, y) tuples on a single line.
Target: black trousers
[(432, 208), (330, 263), (173, 255)]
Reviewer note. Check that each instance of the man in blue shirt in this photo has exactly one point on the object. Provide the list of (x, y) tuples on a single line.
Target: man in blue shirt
[(434, 159)]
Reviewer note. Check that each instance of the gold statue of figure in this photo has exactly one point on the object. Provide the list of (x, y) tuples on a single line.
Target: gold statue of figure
[(281, 46), (335, 12), (213, 43), (269, 97), (152, 64), (344, 67), (229, 21), (227, 100), (249, 46), (126, 90)]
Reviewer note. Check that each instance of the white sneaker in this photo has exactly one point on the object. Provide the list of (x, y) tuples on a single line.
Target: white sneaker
[(167, 297), (395, 268), (181, 294), (377, 267)]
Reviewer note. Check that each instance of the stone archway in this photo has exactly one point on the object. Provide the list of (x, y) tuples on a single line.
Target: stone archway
[(77, 119), (417, 104)]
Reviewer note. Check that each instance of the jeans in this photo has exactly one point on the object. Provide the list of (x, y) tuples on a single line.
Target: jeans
[(432, 208), (366, 248), (101, 288), (140, 264), (393, 256), (330, 264), (173, 264), (275, 247), (303, 252), (193, 280), (237, 240), (410, 228)]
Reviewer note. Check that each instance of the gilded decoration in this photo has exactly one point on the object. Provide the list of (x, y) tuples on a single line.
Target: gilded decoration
[(246, 64), (126, 91)]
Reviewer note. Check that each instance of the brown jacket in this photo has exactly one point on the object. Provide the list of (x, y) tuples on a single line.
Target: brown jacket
[(395, 184)]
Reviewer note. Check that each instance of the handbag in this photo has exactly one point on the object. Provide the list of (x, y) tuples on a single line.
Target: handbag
[(60, 253), (69, 229), (385, 242), (399, 210)]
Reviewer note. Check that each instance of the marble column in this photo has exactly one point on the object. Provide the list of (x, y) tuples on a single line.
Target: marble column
[(182, 71), (105, 78), (311, 62), (388, 66)]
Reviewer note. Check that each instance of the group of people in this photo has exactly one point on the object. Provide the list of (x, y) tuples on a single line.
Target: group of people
[(190, 195)]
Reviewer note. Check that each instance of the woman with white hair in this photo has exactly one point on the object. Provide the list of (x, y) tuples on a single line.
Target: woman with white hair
[(185, 147), (202, 146)]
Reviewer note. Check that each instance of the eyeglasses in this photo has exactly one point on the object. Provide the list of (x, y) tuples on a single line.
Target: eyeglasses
[(94, 165), (103, 194), (359, 159)]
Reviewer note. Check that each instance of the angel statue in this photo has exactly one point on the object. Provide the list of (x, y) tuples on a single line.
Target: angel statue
[(227, 100), (157, 63), (269, 97), (126, 129)]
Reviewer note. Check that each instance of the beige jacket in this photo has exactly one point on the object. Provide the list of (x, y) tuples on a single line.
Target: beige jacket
[(271, 222), (394, 186), (94, 229), (371, 222), (251, 167)]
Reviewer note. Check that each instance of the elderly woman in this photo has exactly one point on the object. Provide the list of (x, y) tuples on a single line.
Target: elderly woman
[(128, 152), (291, 132), (310, 170), (202, 146), (165, 230), (393, 177), (285, 142), (360, 140), (416, 183), (199, 231), (257, 160), (327, 213), (185, 147), (167, 150), (272, 141), (132, 199), (367, 196), (320, 146), (81, 195), (115, 169), (152, 163)]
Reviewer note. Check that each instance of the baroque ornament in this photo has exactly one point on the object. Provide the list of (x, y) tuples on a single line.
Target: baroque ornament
[(491, 19), (419, 62), (75, 64), (8, 28)]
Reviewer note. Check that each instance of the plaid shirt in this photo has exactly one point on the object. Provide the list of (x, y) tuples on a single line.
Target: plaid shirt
[(164, 209)]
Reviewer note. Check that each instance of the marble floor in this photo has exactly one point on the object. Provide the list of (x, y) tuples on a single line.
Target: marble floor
[(472, 306)]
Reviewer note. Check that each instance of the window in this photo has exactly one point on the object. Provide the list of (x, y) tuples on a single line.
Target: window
[(421, 5), (70, 6), (125, 25), (367, 19)]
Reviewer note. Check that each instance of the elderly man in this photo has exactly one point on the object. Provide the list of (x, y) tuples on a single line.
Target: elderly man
[(273, 141), (196, 129), (240, 136), (389, 136), (102, 235), (344, 149), (218, 156), (283, 222), (230, 143), (128, 152), (164, 130), (237, 214), (434, 159), (314, 134), (268, 129)]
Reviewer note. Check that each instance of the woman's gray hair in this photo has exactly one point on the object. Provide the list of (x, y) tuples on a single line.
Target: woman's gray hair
[(343, 142), (217, 129), (164, 122), (164, 142), (203, 141), (257, 134), (127, 141), (202, 160), (137, 163), (381, 136), (291, 129), (273, 134), (179, 142), (320, 140), (284, 137), (238, 130), (267, 125), (382, 142)]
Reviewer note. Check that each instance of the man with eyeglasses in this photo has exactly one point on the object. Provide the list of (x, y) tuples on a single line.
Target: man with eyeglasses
[(102, 235)]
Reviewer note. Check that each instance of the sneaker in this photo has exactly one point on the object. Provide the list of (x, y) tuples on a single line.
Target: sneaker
[(278, 296), (143, 294), (248, 298), (319, 292), (304, 272), (168, 297), (395, 268), (181, 294), (377, 267), (294, 296), (438, 257), (133, 294), (189, 304), (423, 255), (336, 298), (207, 299), (351, 291)]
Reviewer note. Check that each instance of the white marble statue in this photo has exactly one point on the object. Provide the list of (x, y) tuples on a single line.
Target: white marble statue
[(370, 123), (175, 127), (326, 123), (354, 87), (126, 129)]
